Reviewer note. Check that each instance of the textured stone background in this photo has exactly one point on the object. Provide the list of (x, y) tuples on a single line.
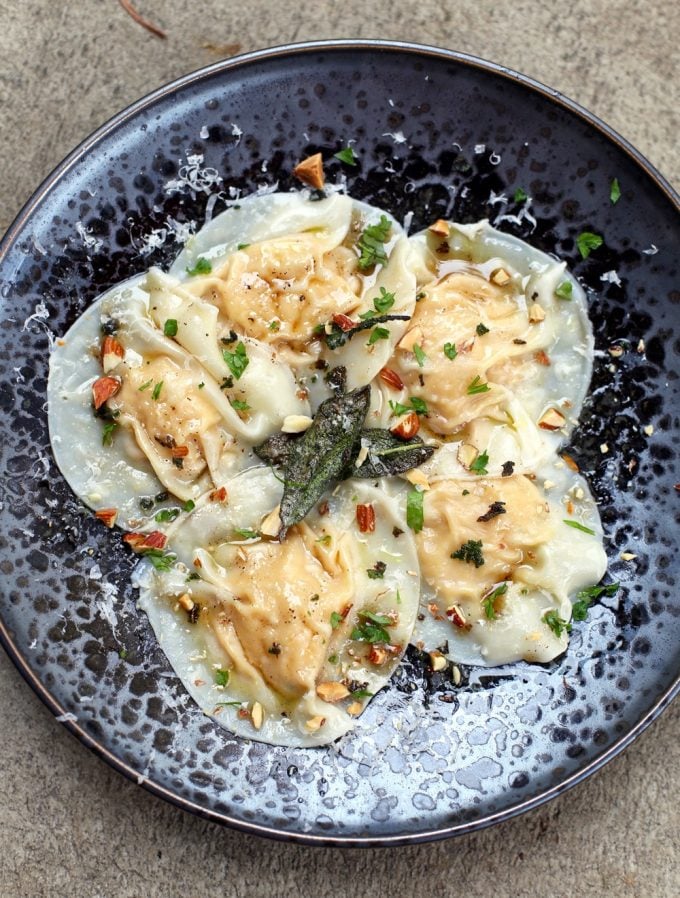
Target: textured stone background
[(69, 825)]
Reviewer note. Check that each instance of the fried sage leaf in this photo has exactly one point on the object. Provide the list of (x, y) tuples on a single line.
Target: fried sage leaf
[(322, 453), (276, 449), (387, 454), (338, 337)]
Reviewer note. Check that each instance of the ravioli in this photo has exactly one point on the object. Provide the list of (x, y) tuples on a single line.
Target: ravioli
[(279, 620)]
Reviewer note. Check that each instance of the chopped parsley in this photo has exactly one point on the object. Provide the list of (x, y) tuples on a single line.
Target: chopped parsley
[(170, 327), (378, 333), (556, 623), (360, 693), (384, 302), (333, 659), (481, 329), (371, 243), (372, 628), (189, 505), (415, 405), (107, 432), (476, 386), (336, 620), (419, 354), (577, 526), (325, 540), (589, 594), (246, 533), (489, 601), (167, 515), (587, 242), (347, 156), (161, 560), (478, 466), (414, 510), (470, 552), (157, 391), (122, 654), (237, 361), (221, 677), (145, 386), (450, 351), (520, 195), (615, 191), (564, 290), (242, 246), (202, 266), (239, 405), (274, 325), (377, 572)]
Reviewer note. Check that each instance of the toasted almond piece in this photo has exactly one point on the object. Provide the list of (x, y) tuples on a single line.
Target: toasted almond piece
[(552, 420), (440, 228), (417, 478), (410, 339), (332, 692), (456, 616), (107, 516), (361, 457), (548, 484), (344, 322), (407, 426), (536, 313), (103, 389), (649, 429), (112, 353), (355, 709), (604, 448), (139, 542), (500, 277), (391, 378), (641, 346), (466, 454), (569, 462), (257, 715), (296, 423), (377, 655), (437, 661), (627, 556), (179, 451), (219, 495), (542, 358), (314, 723), (616, 351), (271, 523), (310, 171), (366, 518), (186, 602), (570, 507), (456, 675)]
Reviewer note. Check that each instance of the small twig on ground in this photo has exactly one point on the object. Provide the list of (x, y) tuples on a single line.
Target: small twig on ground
[(145, 23), (222, 49)]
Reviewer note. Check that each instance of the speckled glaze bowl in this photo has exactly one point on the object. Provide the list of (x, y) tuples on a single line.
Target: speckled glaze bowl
[(441, 135)]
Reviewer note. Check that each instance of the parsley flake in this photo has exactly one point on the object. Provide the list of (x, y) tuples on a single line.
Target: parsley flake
[(336, 620), (157, 391), (481, 329), (415, 404), (520, 195), (239, 405), (587, 242), (145, 386), (470, 552), (167, 515), (170, 327), (378, 333), (564, 290), (615, 191), (202, 266), (556, 623), (347, 156), (585, 596), (419, 354), (450, 351), (242, 246), (371, 243), (107, 432), (237, 361), (221, 677), (577, 526), (384, 302), (415, 517), (189, 505), (162, 561), (489, 601), (476, 386), (377, 572), (246, 533)]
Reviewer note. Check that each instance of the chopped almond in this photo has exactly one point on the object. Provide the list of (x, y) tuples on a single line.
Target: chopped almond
[(542, 358), (440, 228), (344, 322), (377, 655), (257, 715), (271, 524), (406, 427), (466, 454), (332, 692), (186, 602), (296, 423), (616, 351), (107, 516), (437, 661), (456, 616), (179, 451), (391, 378), (140, 542), (417, 478), (219, 495), (366, 518), (103, 389), (355, 709), (500, 277), (410, 339), (112, 353), (310, 171), (536, 313), (569, 462), (314, 723), (552, 420)]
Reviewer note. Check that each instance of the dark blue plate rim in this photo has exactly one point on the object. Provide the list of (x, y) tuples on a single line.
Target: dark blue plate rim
[(283, 51)]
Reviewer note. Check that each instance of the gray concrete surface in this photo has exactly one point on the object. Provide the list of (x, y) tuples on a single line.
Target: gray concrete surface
[(71, 827)]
